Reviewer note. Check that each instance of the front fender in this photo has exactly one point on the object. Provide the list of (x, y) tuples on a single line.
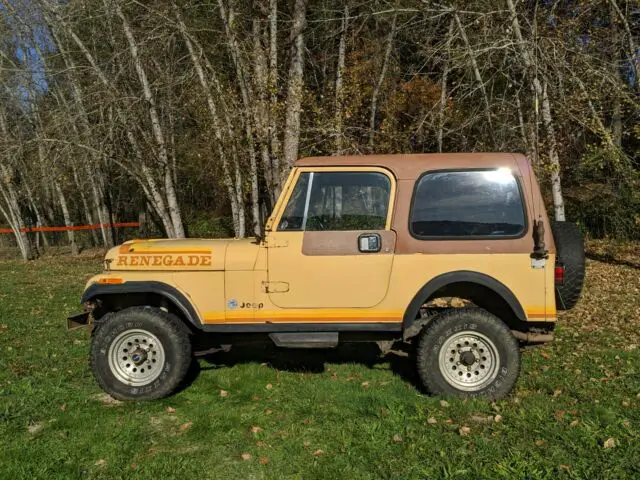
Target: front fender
[(172, 294)]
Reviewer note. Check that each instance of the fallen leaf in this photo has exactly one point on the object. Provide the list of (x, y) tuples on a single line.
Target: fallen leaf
[(444, 403), (609, 443), (269, 386), (63, 407), (464, 431), (565, 467), (317, 453), (34, 428), (625, 403), (268, 412), (100, 462), (185, 426), (574, 423), (397, 438), (557, 392), (432, 421), (306, 443), (545, 355), (364, 384), (255, 429), (134, 466), (224, 393), (107, 400), (449, 421), (497, 418), (261, 444), (246, 456), (169, 410), (255, 398), (539, 443), (264, 460)]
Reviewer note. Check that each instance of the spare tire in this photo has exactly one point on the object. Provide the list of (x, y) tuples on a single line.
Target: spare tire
[(570, 253)]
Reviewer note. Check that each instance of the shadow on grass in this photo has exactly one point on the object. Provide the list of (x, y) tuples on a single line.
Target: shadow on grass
[(399, 358)]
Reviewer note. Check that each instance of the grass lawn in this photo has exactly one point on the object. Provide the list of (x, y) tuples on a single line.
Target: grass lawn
[(575, 413)]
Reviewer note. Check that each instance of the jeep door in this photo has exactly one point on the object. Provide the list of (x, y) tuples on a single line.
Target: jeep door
[(331, 245)]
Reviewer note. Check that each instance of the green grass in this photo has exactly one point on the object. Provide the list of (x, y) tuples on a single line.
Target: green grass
[(312, 416)]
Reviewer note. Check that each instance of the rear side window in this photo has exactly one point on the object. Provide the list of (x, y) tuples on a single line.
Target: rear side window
[(468, 204)]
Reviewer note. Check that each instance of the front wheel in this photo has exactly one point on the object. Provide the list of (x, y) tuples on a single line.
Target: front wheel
[(468, 352), (140, 353)]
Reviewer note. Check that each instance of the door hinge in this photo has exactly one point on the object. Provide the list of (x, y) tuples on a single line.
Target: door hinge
[(271, 243), (538, 262), (275, 287)]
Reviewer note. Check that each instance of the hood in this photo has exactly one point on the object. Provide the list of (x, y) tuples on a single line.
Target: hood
[(184, 254)]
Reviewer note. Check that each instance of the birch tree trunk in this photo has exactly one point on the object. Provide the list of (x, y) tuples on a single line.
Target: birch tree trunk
[(444, 93), (67, 218), (338, 116), (295, 84), (12, 212), (379, 83), (170, 192), (632, 46), (273, 91), (476, 73), (145, 177), (247, 98), (238, 226), (541, 93)]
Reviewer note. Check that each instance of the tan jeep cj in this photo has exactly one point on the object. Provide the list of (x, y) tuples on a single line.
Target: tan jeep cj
[(357, 249)]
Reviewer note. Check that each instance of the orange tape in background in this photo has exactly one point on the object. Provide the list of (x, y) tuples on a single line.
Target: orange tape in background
[(74, 228)]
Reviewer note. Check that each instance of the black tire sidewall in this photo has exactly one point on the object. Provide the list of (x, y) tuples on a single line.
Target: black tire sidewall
[(157, 322), (436, 334)]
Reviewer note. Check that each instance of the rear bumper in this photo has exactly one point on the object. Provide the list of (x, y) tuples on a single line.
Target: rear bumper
[(78, 320)]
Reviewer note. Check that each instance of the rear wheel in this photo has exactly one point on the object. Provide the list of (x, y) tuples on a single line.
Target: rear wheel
[(468, 352), (140, 353), (570, 248)]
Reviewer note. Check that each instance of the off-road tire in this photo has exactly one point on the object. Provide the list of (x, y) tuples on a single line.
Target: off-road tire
[(570, 250), (175, 344), (468, 323)]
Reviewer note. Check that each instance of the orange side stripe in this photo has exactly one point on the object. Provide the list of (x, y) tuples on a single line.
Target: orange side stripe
[(300, 320), (165, 252)]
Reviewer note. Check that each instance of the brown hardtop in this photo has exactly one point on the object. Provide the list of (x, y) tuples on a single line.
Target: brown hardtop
[(408, 166)]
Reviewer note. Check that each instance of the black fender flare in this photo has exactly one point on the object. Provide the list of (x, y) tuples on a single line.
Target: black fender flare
[(172, 294), (466, 276)]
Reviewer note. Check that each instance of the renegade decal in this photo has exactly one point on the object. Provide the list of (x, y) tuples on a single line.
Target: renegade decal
[(164, 261)]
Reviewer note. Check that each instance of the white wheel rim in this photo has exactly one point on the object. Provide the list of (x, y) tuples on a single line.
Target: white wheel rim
[(136, 357), (469, 361)]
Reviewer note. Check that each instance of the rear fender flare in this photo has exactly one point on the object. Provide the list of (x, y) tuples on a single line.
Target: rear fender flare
[(465, 276)]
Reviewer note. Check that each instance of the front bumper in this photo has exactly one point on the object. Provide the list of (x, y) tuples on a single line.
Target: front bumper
[(78, 320)]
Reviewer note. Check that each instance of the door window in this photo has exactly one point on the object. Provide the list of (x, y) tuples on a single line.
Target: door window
[(333, 201)]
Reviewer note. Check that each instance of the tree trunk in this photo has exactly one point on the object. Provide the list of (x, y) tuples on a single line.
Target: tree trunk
[(444, 93), (247, 99), (217, 130), (295, 85), (170, 192), (541, 93), (476, 73), (67, 218), (273, 91), (379, 83), (338, 116)]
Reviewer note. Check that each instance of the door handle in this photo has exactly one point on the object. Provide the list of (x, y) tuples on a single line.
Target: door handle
[(369, 243)]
